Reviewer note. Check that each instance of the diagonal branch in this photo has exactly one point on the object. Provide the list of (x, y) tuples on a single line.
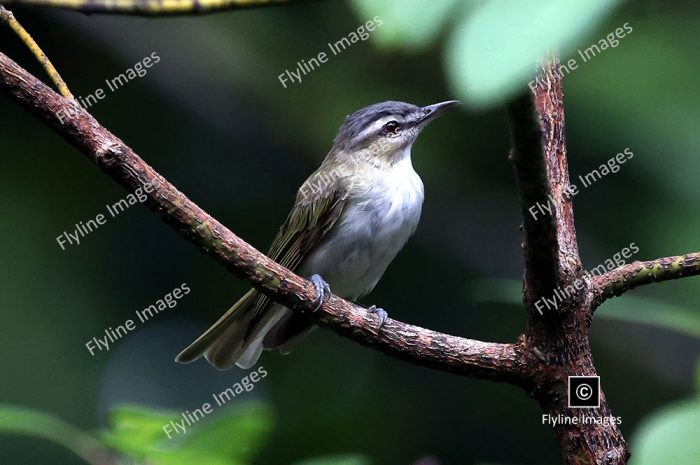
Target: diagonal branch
[(149, 7), (626, 277), (499, 362), (539, 154), (8, 18)]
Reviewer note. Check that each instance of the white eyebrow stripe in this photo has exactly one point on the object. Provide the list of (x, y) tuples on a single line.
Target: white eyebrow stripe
[(377, 125)]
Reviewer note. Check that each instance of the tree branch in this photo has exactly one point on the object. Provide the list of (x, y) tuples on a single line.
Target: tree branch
[(539, 154), (626, 277), (150, 7), (553, 271), (540, 248), (498, 362)]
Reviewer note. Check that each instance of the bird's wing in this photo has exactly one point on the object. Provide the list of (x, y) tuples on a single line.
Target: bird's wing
[(319, 205)]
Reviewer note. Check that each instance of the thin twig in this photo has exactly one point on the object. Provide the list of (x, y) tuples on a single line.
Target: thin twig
[(150, 7), (8, 18), (626, 277)]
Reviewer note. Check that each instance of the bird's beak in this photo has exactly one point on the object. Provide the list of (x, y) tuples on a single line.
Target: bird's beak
[(431, 112)]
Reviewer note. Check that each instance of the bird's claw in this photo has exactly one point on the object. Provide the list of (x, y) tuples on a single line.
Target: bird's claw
[(380, 312), (322, 289)]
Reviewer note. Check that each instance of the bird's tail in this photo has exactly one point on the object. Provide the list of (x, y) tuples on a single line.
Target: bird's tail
[(231, 340)]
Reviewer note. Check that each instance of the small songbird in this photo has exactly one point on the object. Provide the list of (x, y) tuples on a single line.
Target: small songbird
[(350, 219)]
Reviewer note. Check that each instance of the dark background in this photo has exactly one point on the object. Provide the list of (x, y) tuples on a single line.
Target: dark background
[(215, 121)]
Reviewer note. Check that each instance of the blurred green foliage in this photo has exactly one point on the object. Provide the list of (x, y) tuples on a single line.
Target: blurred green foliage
[(22, 421), (630, 309), (408, 24), (670, 435), (494, 45), (136, 435), (213, 118), (335, 460), (233, 437)]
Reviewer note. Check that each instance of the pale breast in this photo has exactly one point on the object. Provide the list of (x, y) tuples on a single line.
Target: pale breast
[(373, 228)]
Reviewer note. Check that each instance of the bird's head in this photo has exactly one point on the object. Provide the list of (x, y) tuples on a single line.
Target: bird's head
[(385, 130)]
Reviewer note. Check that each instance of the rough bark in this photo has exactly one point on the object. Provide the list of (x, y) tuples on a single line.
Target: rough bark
[(627, 277), (559, 336)]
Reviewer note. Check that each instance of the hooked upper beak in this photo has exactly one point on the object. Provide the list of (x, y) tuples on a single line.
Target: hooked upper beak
[(430, 112)]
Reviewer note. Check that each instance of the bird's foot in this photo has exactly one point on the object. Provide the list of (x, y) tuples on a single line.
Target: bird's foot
[(380, 313), (322, 289)]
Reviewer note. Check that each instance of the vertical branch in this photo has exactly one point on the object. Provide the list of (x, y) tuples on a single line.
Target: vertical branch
[(539, 156), (559, 332), (540, 247), (549, 102)]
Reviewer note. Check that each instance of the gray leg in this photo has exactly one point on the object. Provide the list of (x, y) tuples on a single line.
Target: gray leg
[(380, 313), (322, 288)]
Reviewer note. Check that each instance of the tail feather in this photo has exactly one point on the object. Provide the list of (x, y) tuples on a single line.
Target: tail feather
[(235, 317), (240, 344), (245, 330), (223, 352), (250, 353)]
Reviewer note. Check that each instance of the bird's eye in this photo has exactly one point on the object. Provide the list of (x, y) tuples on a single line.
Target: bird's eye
[(392, 127)]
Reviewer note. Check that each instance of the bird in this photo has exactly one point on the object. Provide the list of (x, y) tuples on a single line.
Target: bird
[(351, 217)]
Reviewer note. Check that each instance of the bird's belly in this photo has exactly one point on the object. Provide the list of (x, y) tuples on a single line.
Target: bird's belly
[(356, 252)]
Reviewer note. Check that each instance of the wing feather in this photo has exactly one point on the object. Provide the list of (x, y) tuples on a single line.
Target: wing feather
[(310, 219)]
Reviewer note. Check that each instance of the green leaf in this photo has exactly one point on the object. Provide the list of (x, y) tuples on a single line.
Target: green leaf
[(335, 460), (650, 312), (667, 437), (135, 431), (492, 53), (232, 436), (239, 434), (24, 421), (412, 24), (660, 122)]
